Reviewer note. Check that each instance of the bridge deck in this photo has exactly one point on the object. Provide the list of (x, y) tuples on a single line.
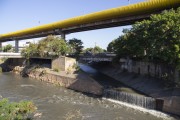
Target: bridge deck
[(10, 55), (108, 18)]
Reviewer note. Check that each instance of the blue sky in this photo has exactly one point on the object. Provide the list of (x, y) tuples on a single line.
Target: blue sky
[(22, 14)]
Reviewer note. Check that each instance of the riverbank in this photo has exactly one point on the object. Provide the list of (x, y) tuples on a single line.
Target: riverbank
[(76, 81), (88, 87), (146, 84), (55, 103), (80, 80)]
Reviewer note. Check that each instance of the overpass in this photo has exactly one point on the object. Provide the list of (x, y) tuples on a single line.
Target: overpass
[(10, 55), (101, 57), (114, 17)]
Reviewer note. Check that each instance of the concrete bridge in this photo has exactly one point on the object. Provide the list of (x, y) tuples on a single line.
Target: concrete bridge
[(102, 57), (114, 17), (10, 55)]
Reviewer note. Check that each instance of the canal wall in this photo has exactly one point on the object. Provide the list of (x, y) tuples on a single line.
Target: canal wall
[(80, 82), (149, 85), (9, 64), (156, 70), (58, 71)]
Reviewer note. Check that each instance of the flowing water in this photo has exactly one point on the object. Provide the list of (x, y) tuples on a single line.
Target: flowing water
[(55, 102), (142, 101)]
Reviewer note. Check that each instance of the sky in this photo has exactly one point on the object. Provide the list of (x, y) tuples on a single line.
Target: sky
[(22, 14)]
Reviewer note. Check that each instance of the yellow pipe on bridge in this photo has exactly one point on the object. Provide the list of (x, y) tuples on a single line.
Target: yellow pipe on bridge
[(124, 11)]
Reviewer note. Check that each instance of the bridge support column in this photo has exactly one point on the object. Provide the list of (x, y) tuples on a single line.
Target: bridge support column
[(59, 32), (0, 46), (63, 36), (16, 46)]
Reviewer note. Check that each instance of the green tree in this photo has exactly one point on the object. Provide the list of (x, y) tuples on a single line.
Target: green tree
[(110, 47), (49, 46), (94, 50), (156, 39), (88, 50), (75, 46), (7, 48), (31, 50), (98, 49)]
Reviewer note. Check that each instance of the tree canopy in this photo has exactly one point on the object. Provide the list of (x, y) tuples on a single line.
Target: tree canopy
[(156, 39), (75, 47), (7, 48), (94, 50), (49, 46)]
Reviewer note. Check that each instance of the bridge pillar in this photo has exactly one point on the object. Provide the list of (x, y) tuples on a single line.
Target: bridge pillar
[(0, 46), (59, 32), (16, 46), (63, 35)]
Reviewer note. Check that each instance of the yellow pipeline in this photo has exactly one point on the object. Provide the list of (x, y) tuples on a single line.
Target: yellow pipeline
[(134, 9)]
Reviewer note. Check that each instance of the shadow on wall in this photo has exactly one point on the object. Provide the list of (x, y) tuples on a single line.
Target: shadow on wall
[(152, 86), (9, 64), (86, 84)]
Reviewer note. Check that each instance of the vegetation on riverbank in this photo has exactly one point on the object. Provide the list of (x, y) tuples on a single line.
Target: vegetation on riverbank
[(7, 48), (94, 50), (155, 40), (16, 111), (49, 46), (75, 47), (53, 46)]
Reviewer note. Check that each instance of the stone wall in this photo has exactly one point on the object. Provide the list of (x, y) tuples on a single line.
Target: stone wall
[(69, 63), (80, 82)]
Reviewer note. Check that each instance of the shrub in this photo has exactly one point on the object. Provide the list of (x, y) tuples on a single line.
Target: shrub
[(47, 47), (16, 111)]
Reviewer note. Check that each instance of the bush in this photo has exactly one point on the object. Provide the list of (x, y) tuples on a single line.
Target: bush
[(7, 48), (16, 111), (47, 47)]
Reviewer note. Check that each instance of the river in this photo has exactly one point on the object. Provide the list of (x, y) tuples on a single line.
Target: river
[(56, 102)]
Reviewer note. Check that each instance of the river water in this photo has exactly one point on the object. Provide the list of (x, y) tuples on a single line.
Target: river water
[(56, 103)]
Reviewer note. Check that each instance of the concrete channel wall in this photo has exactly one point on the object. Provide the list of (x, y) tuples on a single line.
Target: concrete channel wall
[(158, 70), (80, 82)]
